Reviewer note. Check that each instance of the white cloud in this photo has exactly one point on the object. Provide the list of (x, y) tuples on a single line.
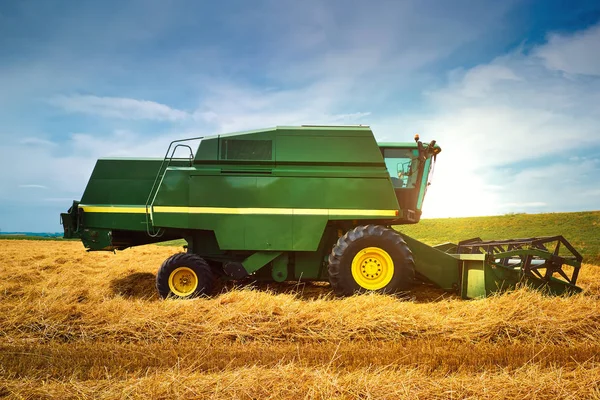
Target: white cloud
[(62, 200), (351, 117), (536, 204), (124, 143), (479, 81), (33, 186), (33, 141), (231, 108), (119, 107), (578, 53)]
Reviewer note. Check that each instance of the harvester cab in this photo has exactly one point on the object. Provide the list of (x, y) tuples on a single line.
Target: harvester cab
[(298, 203), (411, 168)]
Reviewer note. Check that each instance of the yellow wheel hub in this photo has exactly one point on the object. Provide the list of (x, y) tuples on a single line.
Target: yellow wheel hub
[(183, 281), (372, 268)]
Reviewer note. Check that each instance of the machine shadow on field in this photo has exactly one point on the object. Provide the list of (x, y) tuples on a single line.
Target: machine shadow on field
[(139, 285), (421, 292), (302, 290), (142, 285)]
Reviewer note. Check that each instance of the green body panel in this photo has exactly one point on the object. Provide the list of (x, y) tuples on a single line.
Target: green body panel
[(279, 269), (423, 185), (98, 238), (474, 279), (123, 182), (292, 231), (435, 265), (310, 265), (203, 242), (259, 259)]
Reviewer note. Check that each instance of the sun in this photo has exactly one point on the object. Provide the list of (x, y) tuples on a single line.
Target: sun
[(457, 190)]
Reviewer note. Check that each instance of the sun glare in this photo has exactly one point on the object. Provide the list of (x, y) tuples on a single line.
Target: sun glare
[(457, 191)]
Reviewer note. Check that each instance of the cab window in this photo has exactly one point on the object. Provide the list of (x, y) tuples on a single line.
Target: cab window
[(402, 167)]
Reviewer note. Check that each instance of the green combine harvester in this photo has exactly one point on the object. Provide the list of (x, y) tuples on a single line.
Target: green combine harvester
[(300, 203)]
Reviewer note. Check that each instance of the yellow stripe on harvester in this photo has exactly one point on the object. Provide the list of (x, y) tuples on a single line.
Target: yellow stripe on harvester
[(113, 209), (273, 211), (241, 211)]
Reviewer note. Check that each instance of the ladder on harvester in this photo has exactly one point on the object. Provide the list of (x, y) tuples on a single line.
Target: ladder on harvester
[(173, 146)]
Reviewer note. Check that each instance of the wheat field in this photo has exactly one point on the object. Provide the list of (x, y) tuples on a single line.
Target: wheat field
[(76, 325)]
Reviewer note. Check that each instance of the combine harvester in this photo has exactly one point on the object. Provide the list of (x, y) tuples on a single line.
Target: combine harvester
[(300, 203)]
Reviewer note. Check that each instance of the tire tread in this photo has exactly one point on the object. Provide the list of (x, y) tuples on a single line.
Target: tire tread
[(335, 257), (204, 273)]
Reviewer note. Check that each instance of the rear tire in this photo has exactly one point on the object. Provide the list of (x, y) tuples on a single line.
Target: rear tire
[(371, 258), (184, 276)]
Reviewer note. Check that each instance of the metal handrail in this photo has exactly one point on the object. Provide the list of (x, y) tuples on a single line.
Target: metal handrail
[(159, 175)]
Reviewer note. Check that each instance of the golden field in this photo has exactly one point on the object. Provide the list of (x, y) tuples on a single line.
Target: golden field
[(90, 325)]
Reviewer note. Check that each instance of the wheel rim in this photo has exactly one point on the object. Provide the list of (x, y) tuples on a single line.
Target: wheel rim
[(372, 268), (183, 281)]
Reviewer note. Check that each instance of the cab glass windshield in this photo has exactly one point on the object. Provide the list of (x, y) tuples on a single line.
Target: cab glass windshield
[(402, 167)]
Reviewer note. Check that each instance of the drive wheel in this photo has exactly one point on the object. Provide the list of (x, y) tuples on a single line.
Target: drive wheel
[(184, 276), (371, 258)]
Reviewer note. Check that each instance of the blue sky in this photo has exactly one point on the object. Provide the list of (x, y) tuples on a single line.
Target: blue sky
[(509, 89)]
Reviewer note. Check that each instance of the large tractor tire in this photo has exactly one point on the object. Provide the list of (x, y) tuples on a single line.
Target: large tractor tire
[(184, 276), (371, 258)]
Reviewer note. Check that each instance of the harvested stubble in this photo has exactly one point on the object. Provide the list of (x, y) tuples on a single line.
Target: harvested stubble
[(77, 325)]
